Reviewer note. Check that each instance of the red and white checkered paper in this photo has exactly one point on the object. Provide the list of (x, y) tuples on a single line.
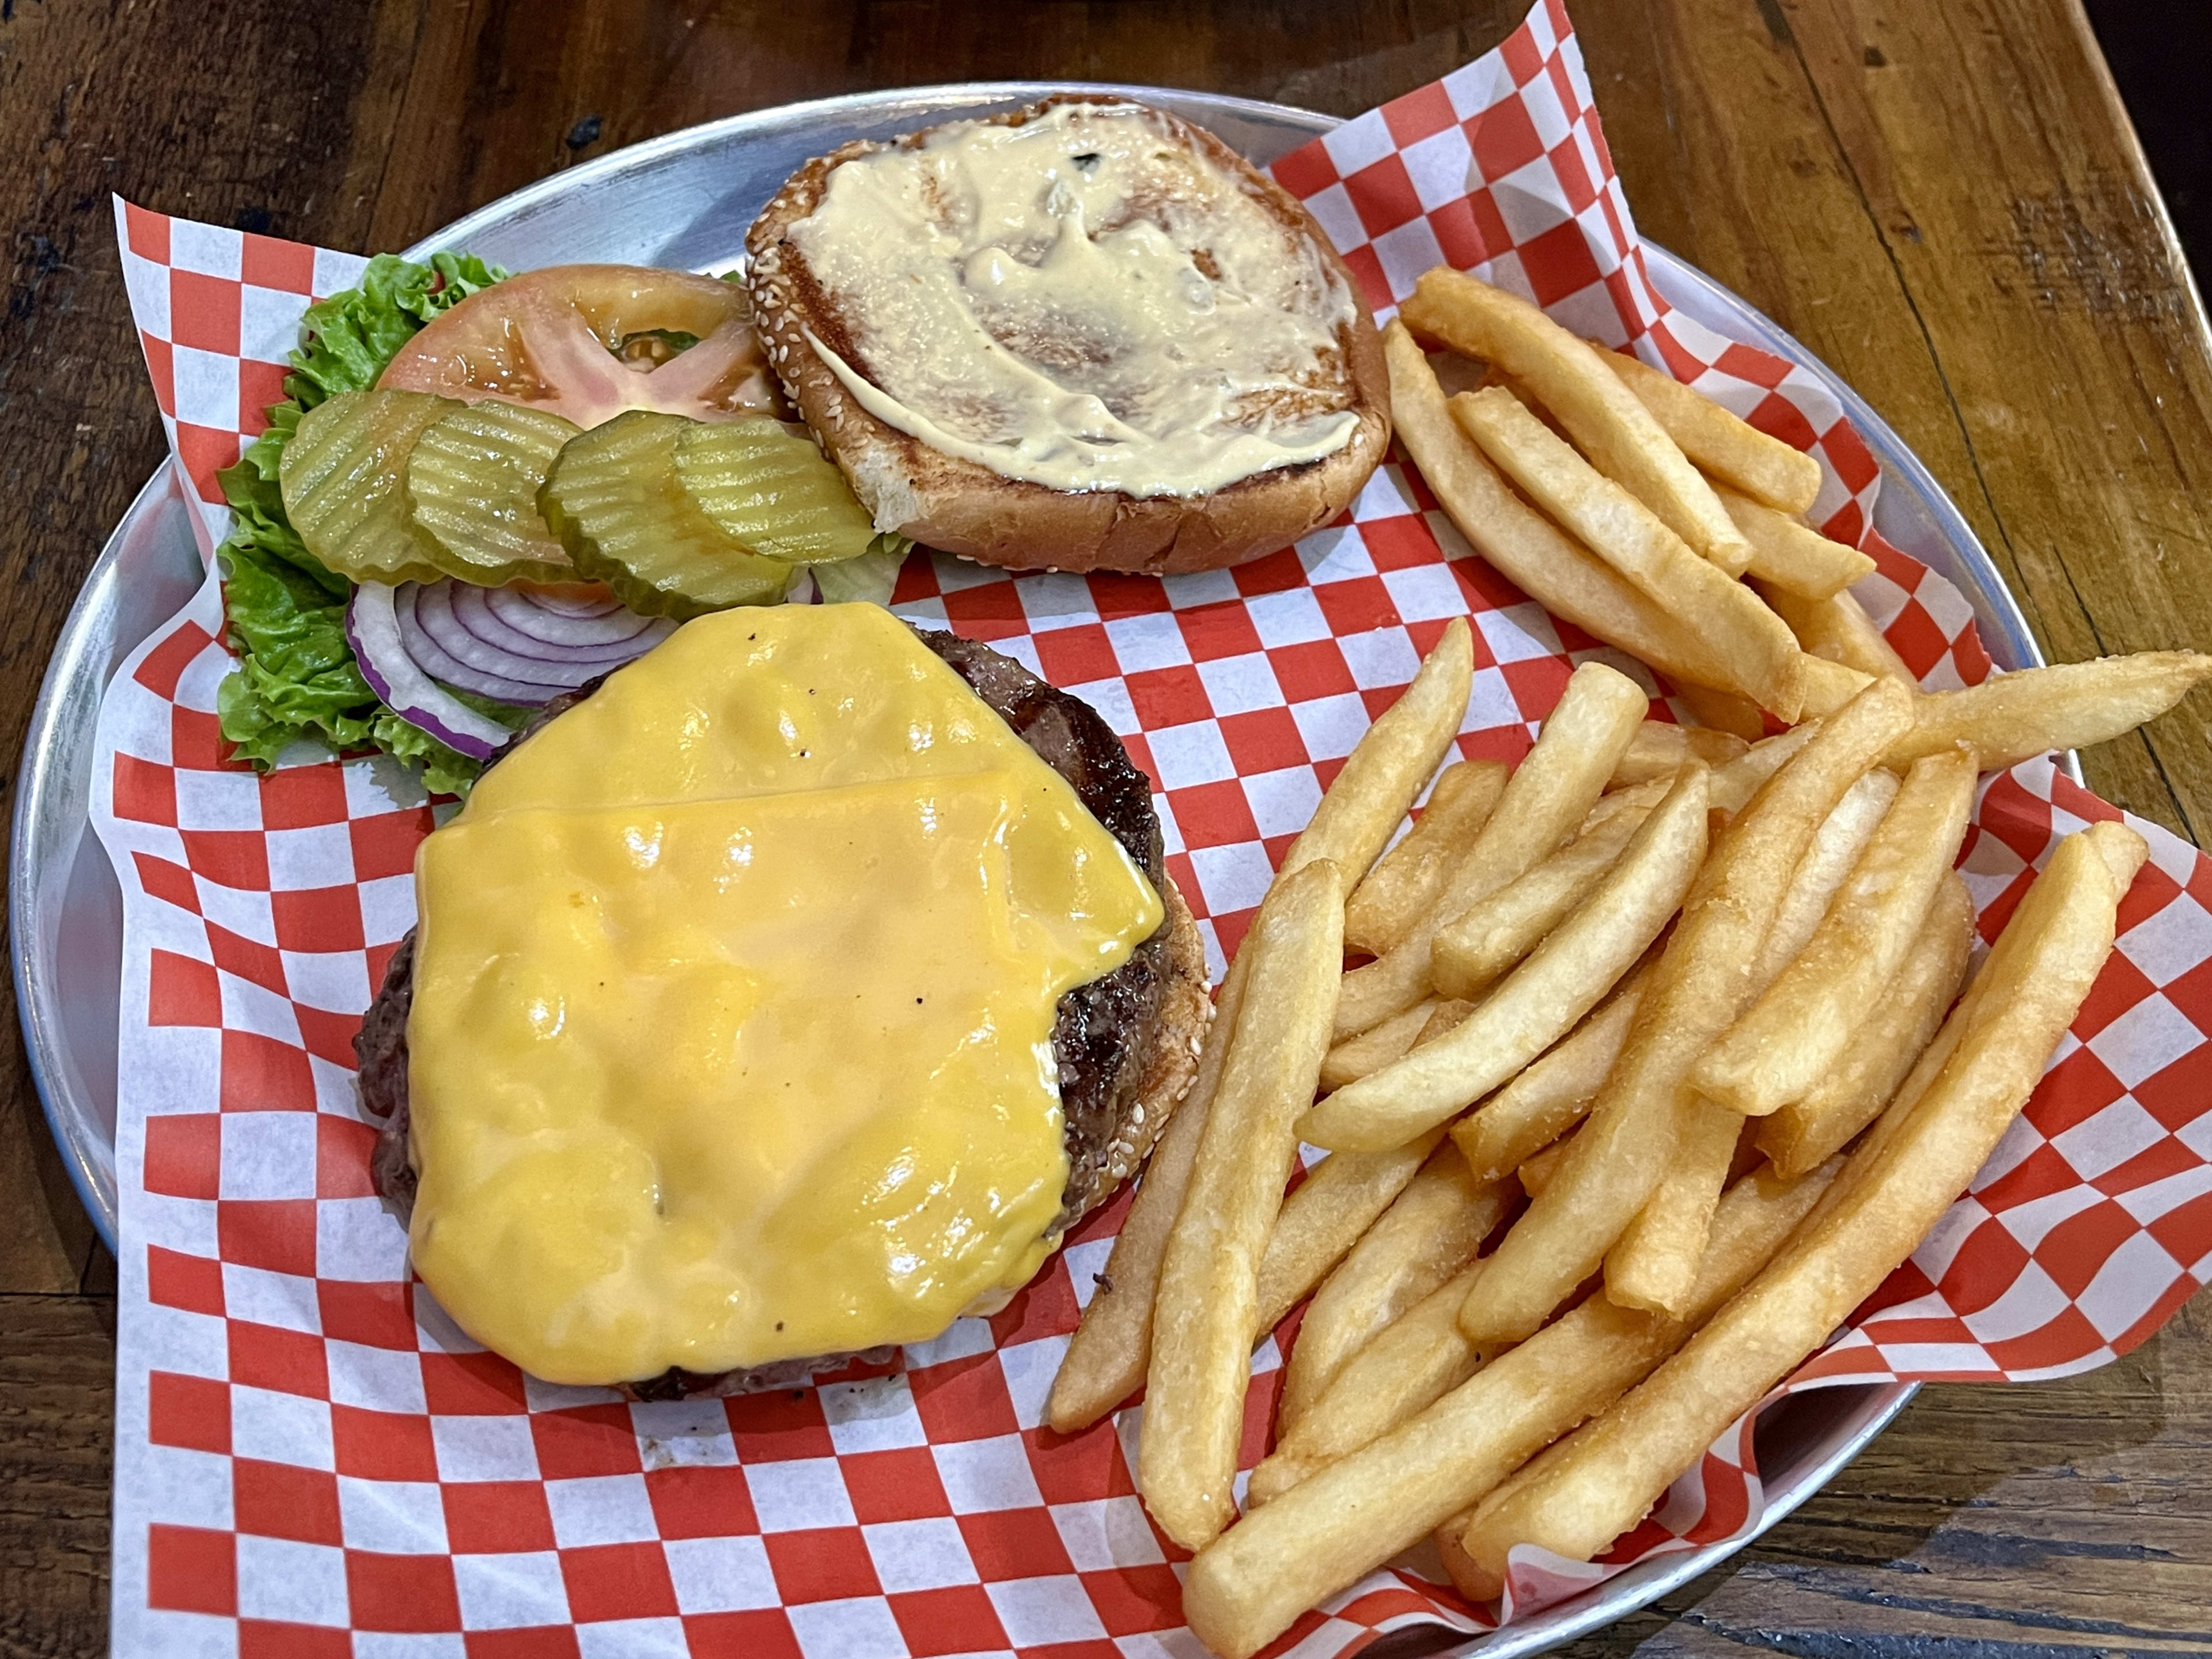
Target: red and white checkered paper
[(311, 1459)]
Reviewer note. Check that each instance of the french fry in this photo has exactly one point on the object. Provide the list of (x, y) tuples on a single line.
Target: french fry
[(1827, 864), (1407, 1365), (1470, 1579), (1588, 1490), (1723, 711), (1208, 1307), (1829, 685), (1248, 1586), (1572, 380), (1446, 1016), (1374, 1047), (1543, 802), (1791, 554), (1487, 940), (1390, 765), (1106, 1359), (1430, 1232), (1496, 377), (1459, 1566), (1352, 1514), (1659, 749), (1902, 1024), (1611, 822), (1782, 1046), (1551, 566), (2009, 718), (1655, 1265), (1343, 1196), (1735, 783), (1747, 1155), (1724, 447), (1699, 987), (1838, 630), (1926, 1071), (1332, 1208), (2124, 853), (1637, 798), (1406, 881), (1541, 1000), (1636, 540), (1550, 1095), (1537, 1169), (1656, 1260)]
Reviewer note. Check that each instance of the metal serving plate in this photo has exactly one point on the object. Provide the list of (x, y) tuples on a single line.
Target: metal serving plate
[(686, 200)]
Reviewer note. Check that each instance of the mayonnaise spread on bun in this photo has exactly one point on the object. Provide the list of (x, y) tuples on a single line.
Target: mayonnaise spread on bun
[(731, 1038), (1079, 303)]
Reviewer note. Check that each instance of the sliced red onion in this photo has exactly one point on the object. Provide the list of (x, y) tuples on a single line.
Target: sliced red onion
[(584, 615), (373, 630), (521, 644), (437, 634)]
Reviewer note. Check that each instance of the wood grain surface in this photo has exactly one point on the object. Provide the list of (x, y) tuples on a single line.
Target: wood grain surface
[(1943, 199)]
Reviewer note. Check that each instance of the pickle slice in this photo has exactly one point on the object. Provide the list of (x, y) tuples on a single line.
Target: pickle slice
[(771, 490), (472, 481), (342, 475), (615, 501)]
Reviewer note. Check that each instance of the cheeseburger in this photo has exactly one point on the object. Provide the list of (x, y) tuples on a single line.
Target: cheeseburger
[(782, 998)]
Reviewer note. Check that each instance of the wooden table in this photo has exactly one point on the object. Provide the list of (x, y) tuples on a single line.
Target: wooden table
[(1943, 200)]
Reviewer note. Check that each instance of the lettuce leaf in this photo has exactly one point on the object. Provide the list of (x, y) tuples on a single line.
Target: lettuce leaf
[(296, 677), (869, 576)]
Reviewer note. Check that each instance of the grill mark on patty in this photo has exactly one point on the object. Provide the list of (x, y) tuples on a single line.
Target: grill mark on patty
[(1102, 1035)]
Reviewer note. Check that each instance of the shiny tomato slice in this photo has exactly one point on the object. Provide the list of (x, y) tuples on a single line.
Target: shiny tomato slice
[(548, 339)]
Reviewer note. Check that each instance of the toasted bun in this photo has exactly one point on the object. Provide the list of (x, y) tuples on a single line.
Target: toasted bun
[(955, 505)]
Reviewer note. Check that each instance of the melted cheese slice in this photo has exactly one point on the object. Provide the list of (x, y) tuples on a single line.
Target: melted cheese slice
[(761, 702), (734, 993)]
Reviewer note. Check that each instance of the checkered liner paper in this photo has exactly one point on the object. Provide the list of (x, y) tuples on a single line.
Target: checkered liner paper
[(311, 1459)]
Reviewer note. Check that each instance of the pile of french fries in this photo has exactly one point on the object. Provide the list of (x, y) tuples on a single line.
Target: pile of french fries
[(1660, 1064)]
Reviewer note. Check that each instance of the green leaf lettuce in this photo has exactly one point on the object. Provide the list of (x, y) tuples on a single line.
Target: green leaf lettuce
[(296, 677)]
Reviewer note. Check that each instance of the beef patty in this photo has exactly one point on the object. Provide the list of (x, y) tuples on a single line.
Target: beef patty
[(1104, 1038)]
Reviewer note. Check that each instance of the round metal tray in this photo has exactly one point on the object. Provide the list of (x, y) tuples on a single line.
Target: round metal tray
[(686, 200)]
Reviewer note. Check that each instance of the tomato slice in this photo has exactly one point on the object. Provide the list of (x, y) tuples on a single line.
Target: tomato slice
[(548, 339)]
